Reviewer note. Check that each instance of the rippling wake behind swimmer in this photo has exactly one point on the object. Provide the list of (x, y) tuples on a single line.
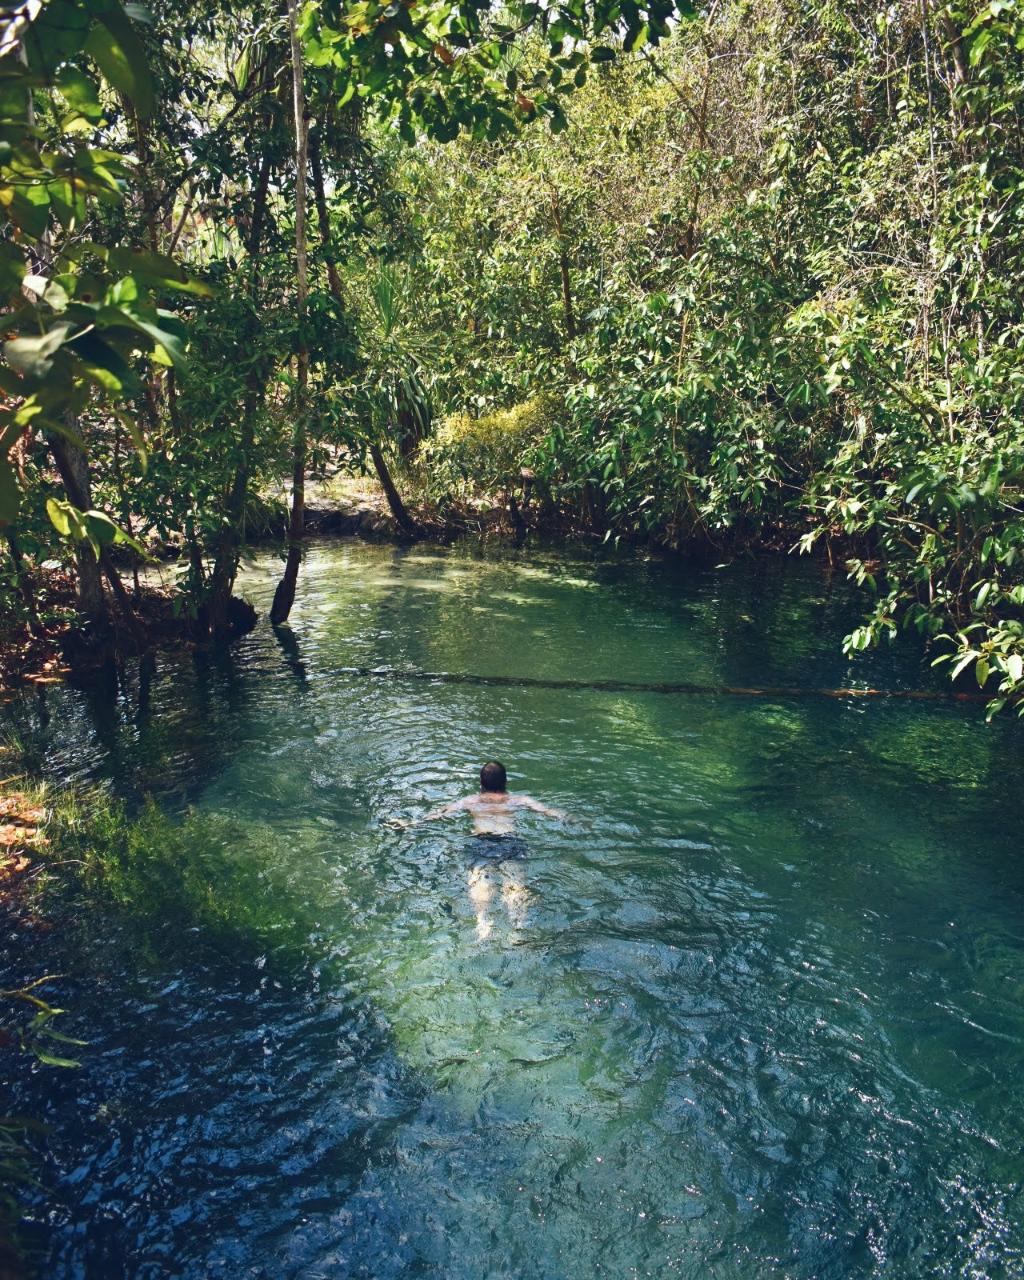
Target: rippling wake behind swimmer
[(493, 808)]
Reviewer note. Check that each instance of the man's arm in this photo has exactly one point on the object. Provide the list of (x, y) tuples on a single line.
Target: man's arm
[(445, 811), (528, 802)]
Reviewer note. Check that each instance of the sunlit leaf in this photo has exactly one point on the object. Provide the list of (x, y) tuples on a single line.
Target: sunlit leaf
[(34, 356), (118, 52)]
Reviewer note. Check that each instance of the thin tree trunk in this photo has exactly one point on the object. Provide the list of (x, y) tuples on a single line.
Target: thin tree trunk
[(150, 204), (563, 269), (284, 596), (225, 563), (516, 516), (395, 504), (23, 584), (333, 279), (74, 474), (394, 500)]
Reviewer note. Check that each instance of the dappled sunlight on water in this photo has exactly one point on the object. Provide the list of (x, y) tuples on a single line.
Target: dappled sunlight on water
[(756, 1010)]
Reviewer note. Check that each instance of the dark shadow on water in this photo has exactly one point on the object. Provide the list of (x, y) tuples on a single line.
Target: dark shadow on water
[(212, 1097), (288, 643)]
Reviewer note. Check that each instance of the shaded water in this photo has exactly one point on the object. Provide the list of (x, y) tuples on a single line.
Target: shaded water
[(759, 1011)]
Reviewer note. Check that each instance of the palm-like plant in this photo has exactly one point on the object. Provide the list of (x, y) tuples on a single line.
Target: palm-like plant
[(392, 394), (394, 389)]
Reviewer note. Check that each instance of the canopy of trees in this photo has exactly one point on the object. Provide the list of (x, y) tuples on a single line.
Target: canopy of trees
[(717, 276)]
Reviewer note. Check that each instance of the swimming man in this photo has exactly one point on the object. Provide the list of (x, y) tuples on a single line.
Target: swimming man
[(493, 810), (493, 807)]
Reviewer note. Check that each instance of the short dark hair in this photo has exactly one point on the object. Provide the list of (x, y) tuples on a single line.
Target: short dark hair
[(493, 777)]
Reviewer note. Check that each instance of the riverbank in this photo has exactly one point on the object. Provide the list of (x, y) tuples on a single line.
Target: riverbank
[(346, 507), (51, 638), (45, 649)]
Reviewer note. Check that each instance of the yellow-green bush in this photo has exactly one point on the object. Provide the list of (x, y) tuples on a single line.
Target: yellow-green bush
[(468, 457)]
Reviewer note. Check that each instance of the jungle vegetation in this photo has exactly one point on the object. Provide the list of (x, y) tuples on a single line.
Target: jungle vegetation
[(717, 276)]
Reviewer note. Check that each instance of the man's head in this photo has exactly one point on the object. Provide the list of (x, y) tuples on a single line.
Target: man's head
[(493, 777)]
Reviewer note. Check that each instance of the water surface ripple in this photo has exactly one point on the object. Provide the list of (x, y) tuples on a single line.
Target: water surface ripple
[(759, 1011)]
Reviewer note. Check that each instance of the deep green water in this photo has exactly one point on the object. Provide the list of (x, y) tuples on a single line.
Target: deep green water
[(759, 1012)]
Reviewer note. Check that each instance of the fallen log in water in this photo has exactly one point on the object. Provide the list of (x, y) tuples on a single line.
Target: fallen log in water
[(659, 687)]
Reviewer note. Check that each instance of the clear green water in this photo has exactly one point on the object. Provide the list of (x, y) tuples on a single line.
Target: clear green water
[(760, 1013)]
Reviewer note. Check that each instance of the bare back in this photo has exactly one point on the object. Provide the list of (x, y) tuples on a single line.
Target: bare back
[(494, 812)]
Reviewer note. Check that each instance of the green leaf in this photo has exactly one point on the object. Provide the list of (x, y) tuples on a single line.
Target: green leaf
[(67, 200), (48, 291), (134, 430), (59, 516), (102, 531), (80, 92), (118, 52), (49, 1060), (93, 527), (635, 39), (59, 1035), (12, 268), (157, 327), (100, 528), (34, 356), (965, 661), (978, 46), (242, 68), (102, 363), (29, 208), (10, 493), (156, 269)]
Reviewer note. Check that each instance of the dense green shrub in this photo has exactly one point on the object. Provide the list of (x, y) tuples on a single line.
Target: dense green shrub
[(483, 458)]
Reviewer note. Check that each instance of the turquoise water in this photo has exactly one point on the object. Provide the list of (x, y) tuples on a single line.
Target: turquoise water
[(757, 1011)]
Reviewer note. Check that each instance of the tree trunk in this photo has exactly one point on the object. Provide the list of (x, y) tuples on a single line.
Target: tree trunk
[(284, 596), (222, 576), (516, 516), (24, 587), (74, 474), (225, 563), (563, 268), (333, 279), (394, 500), (395, 504)]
